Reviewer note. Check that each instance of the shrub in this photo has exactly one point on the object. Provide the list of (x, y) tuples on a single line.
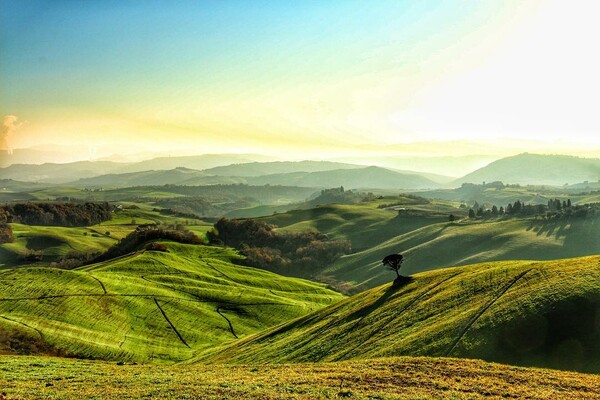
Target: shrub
[(6, 234), (154, 246), (290, 253)]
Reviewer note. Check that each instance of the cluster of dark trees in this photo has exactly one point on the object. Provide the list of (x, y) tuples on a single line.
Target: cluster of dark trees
[(554, 209), (287, 253), (57, 214), (148, 233), (6, 235)]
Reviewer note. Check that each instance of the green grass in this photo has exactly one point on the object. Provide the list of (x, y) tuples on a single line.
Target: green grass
[(151, 305), (464, 242), (516, 312), (429, 241), (388, 378), (364, 224), (56, 242)]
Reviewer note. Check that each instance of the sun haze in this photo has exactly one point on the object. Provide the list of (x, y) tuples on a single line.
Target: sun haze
[(301, 79)]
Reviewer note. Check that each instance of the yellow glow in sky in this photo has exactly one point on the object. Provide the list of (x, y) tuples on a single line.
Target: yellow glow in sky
[(320, 80)]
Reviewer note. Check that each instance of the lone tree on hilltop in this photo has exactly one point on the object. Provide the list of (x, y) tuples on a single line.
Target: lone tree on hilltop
[(393, 262)]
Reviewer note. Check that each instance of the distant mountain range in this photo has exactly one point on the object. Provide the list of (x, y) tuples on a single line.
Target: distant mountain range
[(351, 178), (209, 169), (357, 178), (555, 170), (69, 172)]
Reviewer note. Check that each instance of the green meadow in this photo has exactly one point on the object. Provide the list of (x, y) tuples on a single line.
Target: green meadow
[(54, 242), (528, 313), (150, 306)]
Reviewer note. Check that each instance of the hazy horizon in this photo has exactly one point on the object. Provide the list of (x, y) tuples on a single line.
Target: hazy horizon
[(335, 80)]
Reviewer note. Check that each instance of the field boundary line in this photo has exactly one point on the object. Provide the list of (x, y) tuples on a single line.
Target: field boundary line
[(228, 322), (481, 311), (24, 324), (170, 323)]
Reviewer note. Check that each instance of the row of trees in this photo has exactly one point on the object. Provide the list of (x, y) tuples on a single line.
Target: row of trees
[(57, 214), (555, 208), (288, 253)]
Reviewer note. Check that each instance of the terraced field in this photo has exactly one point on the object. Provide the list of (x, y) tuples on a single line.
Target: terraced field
[(516, 312), (148, 305)]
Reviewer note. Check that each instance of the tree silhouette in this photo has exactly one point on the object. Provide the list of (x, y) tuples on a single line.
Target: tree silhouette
[(393, 262)]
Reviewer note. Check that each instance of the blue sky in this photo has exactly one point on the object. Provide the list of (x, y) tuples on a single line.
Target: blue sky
[(283, 75)]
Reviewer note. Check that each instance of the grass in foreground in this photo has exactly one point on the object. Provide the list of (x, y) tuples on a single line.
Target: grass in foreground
[(388, 378)]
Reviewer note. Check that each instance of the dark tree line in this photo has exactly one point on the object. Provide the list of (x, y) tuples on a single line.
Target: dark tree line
[(57, 214), (289, 253), (554, 209), (6, 235)]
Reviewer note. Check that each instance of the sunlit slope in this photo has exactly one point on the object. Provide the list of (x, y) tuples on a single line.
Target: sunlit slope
[(365, 224), (149, 305), (457, 243), (387, 378), (516, 312), (52, 243)]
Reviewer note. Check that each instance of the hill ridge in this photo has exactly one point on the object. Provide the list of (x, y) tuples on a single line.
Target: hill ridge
[(514, 312)]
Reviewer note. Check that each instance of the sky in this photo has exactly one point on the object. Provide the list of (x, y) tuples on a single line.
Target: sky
[(300, 79)]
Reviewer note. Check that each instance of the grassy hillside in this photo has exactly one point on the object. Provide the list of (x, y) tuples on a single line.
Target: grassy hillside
[(428, 240), (365, 224), (537, 169), (516, 312), (54, 242), (465, 242), (389, 378), (493, 193), (149, 305)]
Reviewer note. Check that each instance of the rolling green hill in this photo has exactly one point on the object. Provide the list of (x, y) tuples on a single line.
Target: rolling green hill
[(388, 378), (537, 169), (148, 305), (465, 242), (517, 312), (365, 224), (500, 195), (428, 240), (53, 243)]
